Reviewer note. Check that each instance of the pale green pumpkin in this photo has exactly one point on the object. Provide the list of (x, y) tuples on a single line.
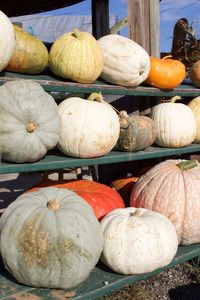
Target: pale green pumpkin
[(50, 238)]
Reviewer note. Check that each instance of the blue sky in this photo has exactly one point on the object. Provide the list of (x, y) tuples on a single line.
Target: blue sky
[(170, 12)]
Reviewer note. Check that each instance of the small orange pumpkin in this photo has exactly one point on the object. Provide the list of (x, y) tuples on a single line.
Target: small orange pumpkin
[(165, 73), (124, 187)]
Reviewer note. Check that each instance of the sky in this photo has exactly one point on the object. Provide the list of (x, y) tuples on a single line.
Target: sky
[(170, 12)]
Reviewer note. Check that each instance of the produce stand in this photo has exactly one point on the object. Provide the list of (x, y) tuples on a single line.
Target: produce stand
[(101, 280)]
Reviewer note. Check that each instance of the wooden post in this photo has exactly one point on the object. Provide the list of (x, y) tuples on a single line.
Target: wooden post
[(144, 24), (100, 18)]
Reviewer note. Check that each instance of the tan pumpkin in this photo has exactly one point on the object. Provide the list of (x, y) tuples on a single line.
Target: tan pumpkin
[(172, 188), (30, 56), (194, 73), (7, 40), (77, 56)]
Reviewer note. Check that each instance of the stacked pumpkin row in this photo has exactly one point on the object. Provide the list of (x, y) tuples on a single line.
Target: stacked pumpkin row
[(54, 234), (79, 57)]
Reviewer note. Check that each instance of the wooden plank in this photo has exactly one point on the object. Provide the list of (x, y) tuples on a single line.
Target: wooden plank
[(101, 281), (100, 18)]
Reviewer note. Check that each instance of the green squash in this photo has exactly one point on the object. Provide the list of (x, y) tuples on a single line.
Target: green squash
[(50, 238)]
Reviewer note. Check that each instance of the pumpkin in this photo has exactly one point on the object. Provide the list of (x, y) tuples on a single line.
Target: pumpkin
[(124, 187), (101, 197), (194, 105), (30, 56), (88, 128), (136, 132), (7, 40), (175, 122), (50, 238), (172, 188), (76, 55), (194, 73), (126, 63), (29, 121), (165, 73), (137, 241)]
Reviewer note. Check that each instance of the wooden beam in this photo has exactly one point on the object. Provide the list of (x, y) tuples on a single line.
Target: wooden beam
[(100, 18)]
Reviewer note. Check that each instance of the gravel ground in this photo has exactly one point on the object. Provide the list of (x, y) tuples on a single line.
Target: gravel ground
[(181, 282)]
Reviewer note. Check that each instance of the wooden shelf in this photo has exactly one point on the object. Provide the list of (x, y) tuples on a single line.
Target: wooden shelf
[(53, 162), (101, 281), (53, 84)]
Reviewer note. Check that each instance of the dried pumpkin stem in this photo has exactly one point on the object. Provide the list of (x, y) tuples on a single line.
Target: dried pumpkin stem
[(166, 57), (99, 98), (187, 164), (174, 99), (76, 33), (136, 213), (123, 119), (30, 127), (53, 204)]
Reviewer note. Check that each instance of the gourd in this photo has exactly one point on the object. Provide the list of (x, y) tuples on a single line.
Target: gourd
[(29, 121), (126, 63), (136, 132), (124, 187), (137, 241), (7, 40), (30, 56), (194, 73), (194, 105), (77, 56), (175, 122), (50, 238), (172, 188), (89, 128), (101, 197), (165, 73)]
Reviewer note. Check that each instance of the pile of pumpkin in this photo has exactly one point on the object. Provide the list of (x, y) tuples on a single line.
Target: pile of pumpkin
[(54, 234)]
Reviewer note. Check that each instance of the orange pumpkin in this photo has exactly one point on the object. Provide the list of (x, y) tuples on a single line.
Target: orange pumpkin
[(101, 197), (124, 187), (194, 73), (165, 73)]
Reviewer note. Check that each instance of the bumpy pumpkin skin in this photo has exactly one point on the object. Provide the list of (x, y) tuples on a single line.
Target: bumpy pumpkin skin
[(165, 73), (88, 128), (54, 244), (126, 63), (137, 241), (76, 56), (30, 56), (29, 121), (173, 193), (194, 104), (101, 197), (139, 134), (7, 35)]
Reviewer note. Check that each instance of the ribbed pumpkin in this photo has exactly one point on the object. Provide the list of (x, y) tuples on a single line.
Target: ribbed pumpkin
[(7, 35), (101, 197), (89, 128), (194, 73), (175, 122), (76, 56), (194, 104), (172, 188), (126, 63), (50, 238), (165, 73), (30, 56), (137, 241), (29, 121), (136, 132)]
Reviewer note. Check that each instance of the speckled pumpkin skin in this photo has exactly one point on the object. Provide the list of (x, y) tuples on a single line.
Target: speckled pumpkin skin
[(50, 248), (175, 194)]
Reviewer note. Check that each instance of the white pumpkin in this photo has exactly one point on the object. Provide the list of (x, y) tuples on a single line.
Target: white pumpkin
[(194, 104), (126, 63), (137, 241), (7, 40), (175, 122), (88, 128)]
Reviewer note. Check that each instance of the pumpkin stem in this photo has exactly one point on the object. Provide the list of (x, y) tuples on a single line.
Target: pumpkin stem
[(123, 119), (187, 164), (167, 56), (30, 127), (96, 97), (53, 204), (136, 213), (76, 33), (174, 99)]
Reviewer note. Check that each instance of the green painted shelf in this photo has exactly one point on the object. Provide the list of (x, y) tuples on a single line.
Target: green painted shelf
[(101, 281), (53, 84), (53, 162)]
